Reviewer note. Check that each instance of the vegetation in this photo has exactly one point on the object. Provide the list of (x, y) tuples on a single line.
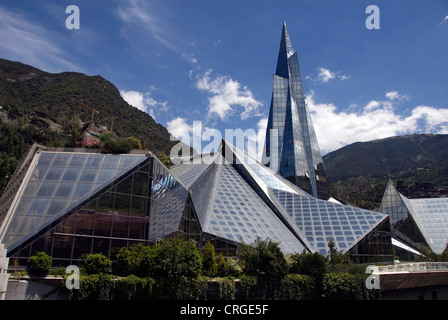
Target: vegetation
[(39, 264), (177, 269), (61, 103)]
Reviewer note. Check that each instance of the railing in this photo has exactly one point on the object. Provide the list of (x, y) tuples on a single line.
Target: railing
[(413, 267)]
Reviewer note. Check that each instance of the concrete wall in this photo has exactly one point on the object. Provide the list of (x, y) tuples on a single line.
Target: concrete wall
[(33, 290), (422, 293)]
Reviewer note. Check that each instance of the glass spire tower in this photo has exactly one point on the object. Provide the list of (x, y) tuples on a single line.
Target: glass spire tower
[(291, 147)]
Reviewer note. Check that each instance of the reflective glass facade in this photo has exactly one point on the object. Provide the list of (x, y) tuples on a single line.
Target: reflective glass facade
[(116, 200), (76, 203), (291, 147), (419, 222)]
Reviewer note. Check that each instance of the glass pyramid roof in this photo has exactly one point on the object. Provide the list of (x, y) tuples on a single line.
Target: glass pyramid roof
[(237, 213), (321, 221), (430, 215), (57, 181)]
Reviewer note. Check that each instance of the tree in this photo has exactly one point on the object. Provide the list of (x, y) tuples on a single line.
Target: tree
[(209, 266), (335, 257), (97, 263), (136, 143), (311, 264), (165, 159), (177, 258), (266, 262), (222, 266), (72, 127)]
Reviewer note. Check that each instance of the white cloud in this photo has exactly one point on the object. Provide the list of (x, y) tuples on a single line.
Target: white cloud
[(180, 129), (226, 92), (29, 42), (140, 15), (144, 101), (394, 95), (378, 119), (325, 75), (444, 21), (189, 57)]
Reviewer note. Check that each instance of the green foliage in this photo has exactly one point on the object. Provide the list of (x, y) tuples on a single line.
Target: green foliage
[(178, 258), (311, 264), (165, 159), (118, 146), (72, 127), (97, 263), (127, 261), (209, 265), (136, 143), (39, 264), (296, 287), (165, 271), (227, 288), (336, 257), (264, 259), (134, 288), (345, 286), (266, 262), (222, 266), (94, 287)]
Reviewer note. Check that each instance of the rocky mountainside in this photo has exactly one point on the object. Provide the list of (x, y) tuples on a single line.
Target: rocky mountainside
[(392, 155), (33, 92)]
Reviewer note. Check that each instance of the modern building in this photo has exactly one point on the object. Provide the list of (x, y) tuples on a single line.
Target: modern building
[(417, 222), (68, 203), (291, 147), (71, 202)]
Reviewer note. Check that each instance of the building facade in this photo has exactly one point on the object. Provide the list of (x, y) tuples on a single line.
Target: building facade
[(71, 202), (74, 202), (419, 222), (291, 146)]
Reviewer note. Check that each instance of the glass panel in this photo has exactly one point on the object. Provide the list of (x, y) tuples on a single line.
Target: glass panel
[(84, 222), (88, 175), (94, 161), (104, 175), (64, 190), (54, 174), (71, 174), (103, 225), (62, 159)]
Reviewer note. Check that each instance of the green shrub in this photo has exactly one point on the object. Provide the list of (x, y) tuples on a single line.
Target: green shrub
[(97, 263), (116, 146), (209, 265), (39, 264)]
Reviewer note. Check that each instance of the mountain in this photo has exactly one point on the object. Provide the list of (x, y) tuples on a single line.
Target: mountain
[(394, 155), (417, 164), (37, 93)]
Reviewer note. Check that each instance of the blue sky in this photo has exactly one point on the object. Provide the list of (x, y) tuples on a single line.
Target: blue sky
[(213, 61)]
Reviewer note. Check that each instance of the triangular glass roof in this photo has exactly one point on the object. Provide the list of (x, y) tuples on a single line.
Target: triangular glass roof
[(321, 221), (430, 215), (55, 182), (236, 212), (316, 220)]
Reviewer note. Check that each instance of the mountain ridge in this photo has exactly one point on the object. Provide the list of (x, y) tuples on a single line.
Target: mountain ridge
[(392, 155), (27, 89)]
